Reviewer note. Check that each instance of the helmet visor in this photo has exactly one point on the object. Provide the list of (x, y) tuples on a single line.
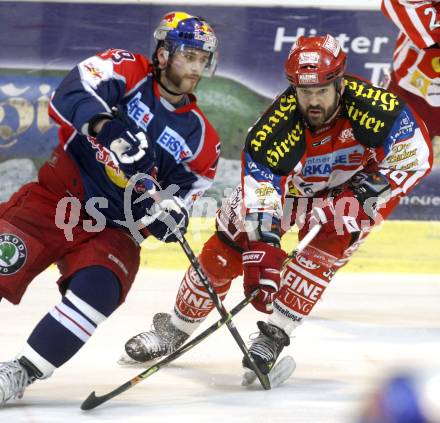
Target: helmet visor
[(207, 61)]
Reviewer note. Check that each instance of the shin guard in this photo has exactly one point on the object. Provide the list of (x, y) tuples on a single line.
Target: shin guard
[(221, 264), (304, 279)]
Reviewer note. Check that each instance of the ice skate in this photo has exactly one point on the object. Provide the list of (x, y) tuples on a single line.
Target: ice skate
[(267, 346), (13, 380), (163, 339), (265, 350)]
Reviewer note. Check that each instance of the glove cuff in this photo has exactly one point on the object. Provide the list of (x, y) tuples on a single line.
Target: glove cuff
[(88, 127), (269, 283), (111, 131)]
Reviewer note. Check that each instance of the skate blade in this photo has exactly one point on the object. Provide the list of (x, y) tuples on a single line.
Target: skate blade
[(126, 361), (278, 375), (249, 377), (282, 371)]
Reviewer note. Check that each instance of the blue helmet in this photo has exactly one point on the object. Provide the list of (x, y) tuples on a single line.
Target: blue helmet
[(180, 30)]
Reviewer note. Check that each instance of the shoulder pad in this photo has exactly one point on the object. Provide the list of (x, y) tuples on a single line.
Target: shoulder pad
[(372, 111), (277, 140)]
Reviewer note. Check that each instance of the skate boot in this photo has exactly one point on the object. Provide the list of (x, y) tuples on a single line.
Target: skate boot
[(163, 339), (267, 346), (14, 378)]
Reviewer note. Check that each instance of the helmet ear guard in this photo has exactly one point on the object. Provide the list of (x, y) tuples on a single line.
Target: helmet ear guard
[(315, 61)]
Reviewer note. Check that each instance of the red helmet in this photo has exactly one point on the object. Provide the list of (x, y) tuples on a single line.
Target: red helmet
[(315, 61)]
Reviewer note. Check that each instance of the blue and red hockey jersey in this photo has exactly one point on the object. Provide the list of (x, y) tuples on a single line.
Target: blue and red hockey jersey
[(186, 145)]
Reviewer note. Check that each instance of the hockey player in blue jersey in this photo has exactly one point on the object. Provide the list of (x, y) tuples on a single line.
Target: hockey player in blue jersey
[(120, 115)]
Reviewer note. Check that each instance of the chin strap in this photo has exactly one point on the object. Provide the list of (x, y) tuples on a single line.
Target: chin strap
[(336, 112), (338, 88), (156, 75)]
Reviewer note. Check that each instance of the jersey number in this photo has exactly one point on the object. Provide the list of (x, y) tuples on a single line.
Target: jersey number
[(119, 56), (432, 23)]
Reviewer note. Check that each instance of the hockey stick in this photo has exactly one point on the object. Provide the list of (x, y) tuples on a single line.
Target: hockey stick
[(93, 401), (264, 379), (169, 221), (306, 240)]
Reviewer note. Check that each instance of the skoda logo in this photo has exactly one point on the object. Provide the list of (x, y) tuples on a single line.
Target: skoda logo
[(13, 254)]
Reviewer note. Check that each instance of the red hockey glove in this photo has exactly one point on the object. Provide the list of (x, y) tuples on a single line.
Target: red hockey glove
[(340, 213), (261, 268), (348, 209)]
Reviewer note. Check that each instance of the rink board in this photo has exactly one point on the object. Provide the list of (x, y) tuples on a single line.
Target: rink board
[(394, 247)]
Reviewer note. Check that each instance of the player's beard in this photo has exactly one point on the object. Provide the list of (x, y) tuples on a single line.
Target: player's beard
[(318, 119), (182, 84)]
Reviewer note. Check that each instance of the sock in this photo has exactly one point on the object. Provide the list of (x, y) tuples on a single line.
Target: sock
[(92, 295)]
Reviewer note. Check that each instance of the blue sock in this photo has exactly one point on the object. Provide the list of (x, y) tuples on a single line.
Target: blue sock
[(92, 295)]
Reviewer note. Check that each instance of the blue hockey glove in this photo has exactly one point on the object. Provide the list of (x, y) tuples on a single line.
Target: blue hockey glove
[(131, 151), (167, 219)]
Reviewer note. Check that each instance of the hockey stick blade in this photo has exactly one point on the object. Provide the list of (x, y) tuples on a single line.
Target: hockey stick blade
[(93, 401), (278, 375)]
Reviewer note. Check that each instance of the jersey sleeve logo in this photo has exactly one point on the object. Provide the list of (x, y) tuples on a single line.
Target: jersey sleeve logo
[(174, 144), (95, 70), (13, 254)]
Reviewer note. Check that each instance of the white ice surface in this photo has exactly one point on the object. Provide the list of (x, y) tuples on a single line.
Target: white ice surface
[(365, 327)]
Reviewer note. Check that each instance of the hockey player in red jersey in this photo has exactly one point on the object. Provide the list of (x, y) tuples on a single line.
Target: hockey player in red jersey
[(331, 149), (120, 116), (415, 72)]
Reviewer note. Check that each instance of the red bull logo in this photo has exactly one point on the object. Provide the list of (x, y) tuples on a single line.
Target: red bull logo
[(170, 17), (93, 71), (204, 27), (173, 19)]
